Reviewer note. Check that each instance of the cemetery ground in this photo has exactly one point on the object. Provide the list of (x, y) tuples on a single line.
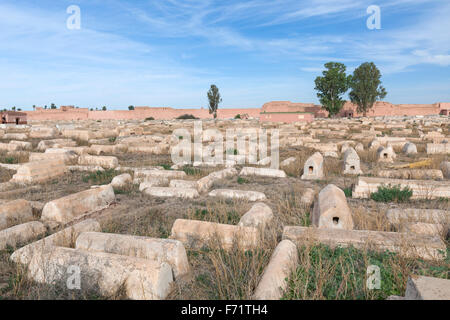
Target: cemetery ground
[(220, 269)]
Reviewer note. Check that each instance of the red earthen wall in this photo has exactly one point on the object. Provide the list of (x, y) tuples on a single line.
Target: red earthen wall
[(138, 113), (287, 117), (277, 111)]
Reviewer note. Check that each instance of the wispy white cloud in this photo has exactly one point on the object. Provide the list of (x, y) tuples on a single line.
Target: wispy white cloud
[(168, 52)]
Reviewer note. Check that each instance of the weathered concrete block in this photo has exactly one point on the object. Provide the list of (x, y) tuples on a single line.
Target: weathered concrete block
[(102, 161), (155, 173), (265, 172), (42, 132), (22, 144), (55, 143), (142, 279), (374, 144), (66, 156), (359, 147), (86, 168), (197, 234), (183, 184), (160, 250), (438, 148), (418, 174), (430, 229), (97, 149), (345, 146), (283, 262), (264, 162), (258, 216), (83, 135), (351, 162), (171, 192), (121, 181), (238, 194), (207, 182), (422, 189), (151, 182), (15, 136), (445, 167), (323, 147), (386, 154), (398, 216), (21, 234), (107, 149), (288, 161), (158, 149), (63, 238), (409, 245), (427, 288), (75, 206), (38, 172), (331, 209), (313, 168), (15, 212), (409, 148)]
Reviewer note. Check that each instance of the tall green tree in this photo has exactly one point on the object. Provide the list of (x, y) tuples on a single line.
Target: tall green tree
[(366, 87), (52, 106), (130, 108), (214, 100), (332, 86)]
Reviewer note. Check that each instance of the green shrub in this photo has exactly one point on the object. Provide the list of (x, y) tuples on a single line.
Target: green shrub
[(391, 193), (241, 180), (112, 139), (229, 217), (100, 177), (165, 166), (190, 171), (186, 117), (11, 160), (238, 116), (348, 192), (149, 119)]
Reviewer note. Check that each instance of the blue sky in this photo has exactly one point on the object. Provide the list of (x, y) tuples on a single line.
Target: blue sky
[(168, 52)]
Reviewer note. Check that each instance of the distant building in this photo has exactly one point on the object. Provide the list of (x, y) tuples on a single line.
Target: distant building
[(13, 117), (286, 111)]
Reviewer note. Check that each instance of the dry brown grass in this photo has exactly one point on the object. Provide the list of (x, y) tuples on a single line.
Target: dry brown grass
[(226, 274), (289, 208), (295, 169), (369, 220), (368, 156), (220, 211), (153, 223), (436, 161), (332, 167), (6, 175), (14, 157)]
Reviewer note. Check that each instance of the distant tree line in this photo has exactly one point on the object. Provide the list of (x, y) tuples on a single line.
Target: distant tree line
[(365, 87)]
